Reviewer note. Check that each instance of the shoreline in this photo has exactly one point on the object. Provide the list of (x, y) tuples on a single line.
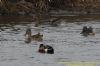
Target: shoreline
[(4, 19)]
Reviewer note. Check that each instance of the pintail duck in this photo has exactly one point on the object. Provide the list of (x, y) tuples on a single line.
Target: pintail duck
[(46, 49), (29, 37)]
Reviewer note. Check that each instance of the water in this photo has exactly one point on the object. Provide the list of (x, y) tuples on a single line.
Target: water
[(66, 39)]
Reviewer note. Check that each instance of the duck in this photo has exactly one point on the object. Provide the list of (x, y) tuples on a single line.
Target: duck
[(37, 37), (46, 49), (29, 37), (87, 31), (90, 31)]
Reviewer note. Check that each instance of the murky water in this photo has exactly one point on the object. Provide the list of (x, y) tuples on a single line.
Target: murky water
[(66, 39)]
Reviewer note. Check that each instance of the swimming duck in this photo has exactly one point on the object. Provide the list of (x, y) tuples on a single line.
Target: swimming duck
[(90, 31), (29, 37), (46, 49), (87, 31), (37, 37)]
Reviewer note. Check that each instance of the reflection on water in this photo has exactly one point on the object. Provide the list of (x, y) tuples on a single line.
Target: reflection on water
[(66, 39)]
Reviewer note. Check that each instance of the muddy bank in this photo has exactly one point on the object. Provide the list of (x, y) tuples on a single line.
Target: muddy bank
[(67, 18), (15, 19)]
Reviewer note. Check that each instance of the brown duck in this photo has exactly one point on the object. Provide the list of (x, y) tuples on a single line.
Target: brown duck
[(29, 37)]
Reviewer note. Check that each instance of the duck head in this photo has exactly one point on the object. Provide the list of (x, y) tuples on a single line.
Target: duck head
[(41, 48)]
